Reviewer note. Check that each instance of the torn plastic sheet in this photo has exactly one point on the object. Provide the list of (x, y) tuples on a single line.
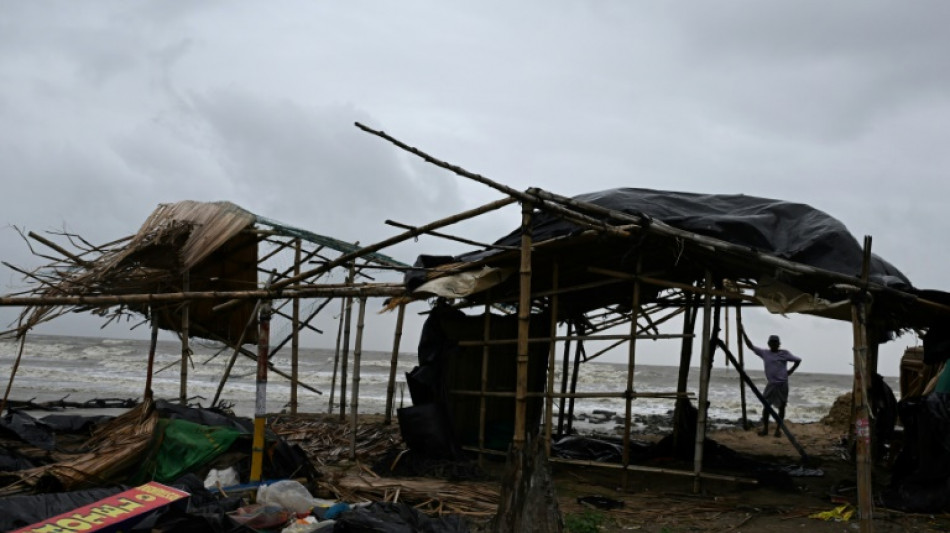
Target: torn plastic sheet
[(782, 299), (464, 283)]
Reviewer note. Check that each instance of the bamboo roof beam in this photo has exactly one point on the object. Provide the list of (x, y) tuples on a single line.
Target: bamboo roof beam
[(346, 258), (66, 253), (452, 237), (556, 203), (357, 291)]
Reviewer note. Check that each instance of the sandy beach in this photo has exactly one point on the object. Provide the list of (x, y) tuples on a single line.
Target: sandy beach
[(664, 503)]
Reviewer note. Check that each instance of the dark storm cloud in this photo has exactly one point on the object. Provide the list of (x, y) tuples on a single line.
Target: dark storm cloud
[(108, 109)]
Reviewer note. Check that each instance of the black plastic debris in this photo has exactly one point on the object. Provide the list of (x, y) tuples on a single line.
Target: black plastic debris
[(600, 502), (921, 475), (396, 518)]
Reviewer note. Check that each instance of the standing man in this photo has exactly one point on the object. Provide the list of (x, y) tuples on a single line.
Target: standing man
[(776, 372)]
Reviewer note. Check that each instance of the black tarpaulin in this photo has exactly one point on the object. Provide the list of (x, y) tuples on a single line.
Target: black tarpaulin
[(792, 231)]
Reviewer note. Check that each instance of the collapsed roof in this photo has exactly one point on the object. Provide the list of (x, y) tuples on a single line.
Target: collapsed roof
[(796, 257), (214, 243)]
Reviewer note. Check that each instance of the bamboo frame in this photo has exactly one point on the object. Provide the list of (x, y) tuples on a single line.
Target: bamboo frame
[(357, 356), (552, 355), (705, 366), (595, 222), (631, 364), (185, 348), (295, 334), (862, 426), (391, 384)]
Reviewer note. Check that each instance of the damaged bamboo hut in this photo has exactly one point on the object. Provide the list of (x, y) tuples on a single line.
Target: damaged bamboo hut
[(513, 320), (217, 272)]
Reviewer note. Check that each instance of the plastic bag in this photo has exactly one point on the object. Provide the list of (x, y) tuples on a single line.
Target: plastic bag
[(227, 477), (308, 525), (288, 494), (260, 516)]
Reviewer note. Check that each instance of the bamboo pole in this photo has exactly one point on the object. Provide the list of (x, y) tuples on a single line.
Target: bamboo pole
[(237, 350), (391, 386), (602, 394), (656, 470), (741, 366), (686, 356), (669, 284), (552, 361), (862, 428), (347, 318), (631, 364), (253, 357), (72, 257), (153, 342), (16, 365), (704, 371), (349, 257), (578, 352), (357, 355), (565, 367), (185, 348), (260, 397), (356, 291), (482, 411), (336, 353), (301, 324), (524, 324), (644, 315), (295, 334), (524, 197), (535, 340), (453, 237)]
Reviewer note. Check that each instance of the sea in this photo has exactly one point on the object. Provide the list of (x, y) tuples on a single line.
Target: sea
[(80, 369)]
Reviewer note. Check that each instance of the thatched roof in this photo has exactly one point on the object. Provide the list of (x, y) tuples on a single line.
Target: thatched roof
[(213, 244)]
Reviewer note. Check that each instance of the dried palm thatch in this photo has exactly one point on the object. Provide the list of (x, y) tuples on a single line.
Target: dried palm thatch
[(174, 239), (431, 496), (114, 449), (326, 440)]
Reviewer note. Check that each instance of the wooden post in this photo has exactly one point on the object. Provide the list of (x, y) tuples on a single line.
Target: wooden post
[(153, 342), (482, 409), (260, 397), (237, 350), (357, 354), (565, 367), (739, 348), (552, 360), (348, 316), (704, 368), (631, 364), (16, 365), (862, 427), (336, 353), (185, 348), (524, 323), (686, 356), (391, 387), (295, 335), (578, 352)]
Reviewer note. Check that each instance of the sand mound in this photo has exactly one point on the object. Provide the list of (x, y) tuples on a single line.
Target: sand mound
[(839, 417)]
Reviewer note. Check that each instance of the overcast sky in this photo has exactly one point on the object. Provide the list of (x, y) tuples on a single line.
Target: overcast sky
[(110, 108)]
